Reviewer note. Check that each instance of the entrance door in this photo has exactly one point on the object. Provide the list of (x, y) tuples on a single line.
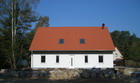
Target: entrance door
[(71, 61)]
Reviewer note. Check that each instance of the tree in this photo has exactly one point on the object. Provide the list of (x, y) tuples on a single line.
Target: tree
[(43, 22), (16, 16), (5, 49), (127, 44), (121, 40), (134, 50)]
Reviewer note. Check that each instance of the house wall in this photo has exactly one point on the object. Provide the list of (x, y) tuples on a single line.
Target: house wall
[(72, 61), (117, 54)]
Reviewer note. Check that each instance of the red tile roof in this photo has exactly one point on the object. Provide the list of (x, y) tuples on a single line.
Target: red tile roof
[(96, 39)]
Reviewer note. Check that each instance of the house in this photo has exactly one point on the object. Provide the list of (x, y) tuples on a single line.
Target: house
[(117, 54), (118, 58), (72, 47)]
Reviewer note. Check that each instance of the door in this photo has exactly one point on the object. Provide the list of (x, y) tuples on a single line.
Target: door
[(71, 61)]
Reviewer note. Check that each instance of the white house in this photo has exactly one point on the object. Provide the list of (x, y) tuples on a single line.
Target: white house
[(117, 54), (72, 47)]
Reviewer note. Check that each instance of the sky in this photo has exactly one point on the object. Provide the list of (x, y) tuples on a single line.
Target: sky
[(115, 14)]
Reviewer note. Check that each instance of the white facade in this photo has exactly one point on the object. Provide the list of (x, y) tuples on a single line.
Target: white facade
[(72, 61), (117, 54)]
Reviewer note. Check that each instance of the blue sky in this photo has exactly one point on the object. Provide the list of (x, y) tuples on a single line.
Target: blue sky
[(116, 14)]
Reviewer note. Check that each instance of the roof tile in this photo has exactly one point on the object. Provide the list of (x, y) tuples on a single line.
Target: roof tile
[(96, 39)]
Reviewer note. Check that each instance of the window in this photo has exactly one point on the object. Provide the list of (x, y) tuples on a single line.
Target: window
[(116, 54), (100, 59), (61, 41), (82, 41), (42, 59), (57, 59), (86, 59)]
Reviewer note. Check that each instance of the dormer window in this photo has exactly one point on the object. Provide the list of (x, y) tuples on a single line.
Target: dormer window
[(82, 41), (61, 41)]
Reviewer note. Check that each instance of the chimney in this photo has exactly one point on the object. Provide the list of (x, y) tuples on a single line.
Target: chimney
[(103, 25)]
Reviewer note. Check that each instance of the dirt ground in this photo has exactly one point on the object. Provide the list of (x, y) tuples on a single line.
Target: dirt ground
[(66, 81)]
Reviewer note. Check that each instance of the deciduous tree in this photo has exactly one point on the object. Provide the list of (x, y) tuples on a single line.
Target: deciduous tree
[(16, 17)]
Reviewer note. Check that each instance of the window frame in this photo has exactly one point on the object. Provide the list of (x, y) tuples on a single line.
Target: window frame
[(61, 41), (82, 41), (43, 60), (57, 59), (101, 59), (86, 58)]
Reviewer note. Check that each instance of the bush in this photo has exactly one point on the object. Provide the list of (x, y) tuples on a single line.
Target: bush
[(132, 63)]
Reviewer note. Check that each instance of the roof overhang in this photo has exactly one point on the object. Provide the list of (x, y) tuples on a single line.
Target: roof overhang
[(71, 50)]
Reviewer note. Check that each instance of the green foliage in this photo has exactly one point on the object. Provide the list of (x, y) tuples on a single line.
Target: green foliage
[(134, 50), (23, 14), (43, 22), (5, 49), (129, 45)]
